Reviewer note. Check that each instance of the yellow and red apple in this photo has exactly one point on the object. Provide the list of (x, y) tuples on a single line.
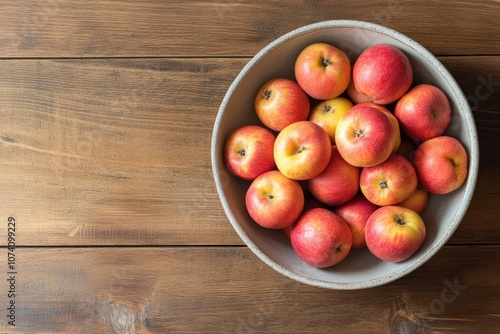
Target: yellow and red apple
[(321, 238), (248, 151), (323, 71), (274, 201), (394, 233), (302, 150), (280, 102), (365, 136), (328, 113), (424, 112), (441, 164), (391, 182)]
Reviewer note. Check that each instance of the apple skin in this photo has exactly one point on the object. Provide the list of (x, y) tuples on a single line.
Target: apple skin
[(423, 112), (321, 238), (302, 150), (391, 182), (394, 233), (323, 71), (365, 136), (328, 113), (280, 102), (383, 73), (356, 213), (309, 204), (417, 201), (337, 183), (274, 201), (392, 118), (441, 164), (355, 96), (248, 152)]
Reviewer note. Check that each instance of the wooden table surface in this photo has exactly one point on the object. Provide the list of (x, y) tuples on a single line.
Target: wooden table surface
[(106, 116)]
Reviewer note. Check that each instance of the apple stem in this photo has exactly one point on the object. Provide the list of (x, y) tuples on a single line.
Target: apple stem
[(267, 94), (241, 152), (302, 148), (400, 220), (359, 134)]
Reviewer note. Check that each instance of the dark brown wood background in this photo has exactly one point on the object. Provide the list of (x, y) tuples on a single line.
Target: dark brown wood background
[(106, 116)]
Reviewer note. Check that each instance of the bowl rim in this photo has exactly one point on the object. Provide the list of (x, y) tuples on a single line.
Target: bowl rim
[(469, 183)]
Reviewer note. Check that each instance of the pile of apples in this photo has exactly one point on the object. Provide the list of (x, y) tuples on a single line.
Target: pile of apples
[(334, 168)]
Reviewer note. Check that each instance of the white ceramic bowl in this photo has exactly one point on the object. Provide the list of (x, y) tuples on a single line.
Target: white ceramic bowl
[(360, 269)]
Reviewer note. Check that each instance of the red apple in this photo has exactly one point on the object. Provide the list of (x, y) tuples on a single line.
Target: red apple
[(392, 118), (394, 233), (328, 113), (391, 182), (248, 151), (302, 150), (280, 102), (383, 73), (321, 238), (424, 112), (441, 164), (356, 213), (365, 136), (417, 201), (274, 201), (337, 184), (323, 71)]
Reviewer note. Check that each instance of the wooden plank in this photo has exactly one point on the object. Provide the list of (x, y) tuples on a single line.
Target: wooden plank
[(480, 82), (77, 28), (116, 152), (228, 290), (112, 152)]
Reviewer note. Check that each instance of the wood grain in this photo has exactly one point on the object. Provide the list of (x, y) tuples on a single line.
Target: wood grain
[(480, 82), (229, 290), (116, 152), (112, 151), (77, 28)]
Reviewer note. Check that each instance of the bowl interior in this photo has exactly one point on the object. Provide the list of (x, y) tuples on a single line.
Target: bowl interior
[(360, 269)]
